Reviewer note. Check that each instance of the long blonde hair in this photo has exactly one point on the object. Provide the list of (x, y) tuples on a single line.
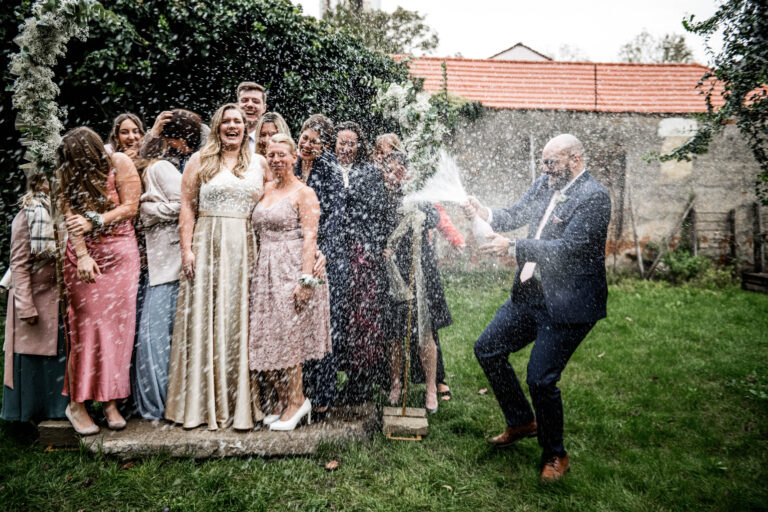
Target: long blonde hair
[(391, 139), (210, 155), (278, 121)]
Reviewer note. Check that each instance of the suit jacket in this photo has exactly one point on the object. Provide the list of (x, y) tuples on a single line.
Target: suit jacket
[(34, 293), (570, 254), (159, 213)]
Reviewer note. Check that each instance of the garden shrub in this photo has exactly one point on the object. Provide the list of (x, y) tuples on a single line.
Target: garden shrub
[(192, 54), (680, 266)]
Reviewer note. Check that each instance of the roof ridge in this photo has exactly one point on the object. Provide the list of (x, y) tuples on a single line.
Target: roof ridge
[(550, 62)]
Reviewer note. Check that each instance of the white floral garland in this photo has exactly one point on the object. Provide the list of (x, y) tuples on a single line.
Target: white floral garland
[(420, 126), (42, 40)]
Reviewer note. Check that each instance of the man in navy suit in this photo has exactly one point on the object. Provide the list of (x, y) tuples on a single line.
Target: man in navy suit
[(558, 295)]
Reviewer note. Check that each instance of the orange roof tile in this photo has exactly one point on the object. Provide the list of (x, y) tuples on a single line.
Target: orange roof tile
[(619, 87)]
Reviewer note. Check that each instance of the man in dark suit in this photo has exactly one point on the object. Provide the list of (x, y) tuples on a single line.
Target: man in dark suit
[(558, 295)]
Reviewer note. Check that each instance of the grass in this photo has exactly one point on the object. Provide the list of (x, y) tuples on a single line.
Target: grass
[(666, 408)]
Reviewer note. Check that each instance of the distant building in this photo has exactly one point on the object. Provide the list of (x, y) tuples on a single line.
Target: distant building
[(624, 113), (519, 52)]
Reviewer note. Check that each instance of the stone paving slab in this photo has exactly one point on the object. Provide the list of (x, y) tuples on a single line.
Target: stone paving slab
[(141, 438)]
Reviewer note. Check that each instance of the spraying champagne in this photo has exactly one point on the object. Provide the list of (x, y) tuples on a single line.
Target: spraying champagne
[(445, 186)]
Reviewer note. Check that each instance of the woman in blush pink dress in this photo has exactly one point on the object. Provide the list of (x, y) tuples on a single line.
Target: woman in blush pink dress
[(290, 315), (99, 195)]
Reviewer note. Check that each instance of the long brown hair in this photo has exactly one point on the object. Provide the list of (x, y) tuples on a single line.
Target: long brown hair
[(114, 135), (363, 152), (210, 155), (35, 182), (83, 170)]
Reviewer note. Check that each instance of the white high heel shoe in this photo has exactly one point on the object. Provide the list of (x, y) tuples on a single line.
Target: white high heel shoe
[(270, 419), (288, 425)]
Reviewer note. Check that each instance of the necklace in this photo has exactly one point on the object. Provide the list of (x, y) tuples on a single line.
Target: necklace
[(305, 173)]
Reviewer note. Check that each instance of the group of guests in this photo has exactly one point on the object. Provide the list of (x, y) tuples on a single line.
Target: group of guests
[(221, 275)]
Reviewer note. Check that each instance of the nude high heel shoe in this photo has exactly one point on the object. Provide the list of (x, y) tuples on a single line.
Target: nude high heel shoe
[(115, 425), (288, 425), (93, 429)]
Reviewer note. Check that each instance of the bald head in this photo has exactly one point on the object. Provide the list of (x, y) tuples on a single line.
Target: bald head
[(566, 143), (562, 159)]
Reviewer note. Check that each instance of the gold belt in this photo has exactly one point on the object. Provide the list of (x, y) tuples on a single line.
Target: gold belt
[(232, 215)]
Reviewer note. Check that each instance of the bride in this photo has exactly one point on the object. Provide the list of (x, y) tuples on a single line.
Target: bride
[(209, 380)]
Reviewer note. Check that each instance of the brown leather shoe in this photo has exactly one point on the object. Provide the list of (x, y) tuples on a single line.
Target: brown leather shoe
[(513, 435), (554, 469)]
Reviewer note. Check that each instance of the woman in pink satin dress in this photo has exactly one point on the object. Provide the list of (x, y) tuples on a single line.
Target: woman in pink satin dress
[(99, 196)]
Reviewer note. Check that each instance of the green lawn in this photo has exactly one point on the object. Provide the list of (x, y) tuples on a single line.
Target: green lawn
[(666, 408)]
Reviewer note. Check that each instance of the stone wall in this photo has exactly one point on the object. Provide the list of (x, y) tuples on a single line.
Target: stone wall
[(496, 153)]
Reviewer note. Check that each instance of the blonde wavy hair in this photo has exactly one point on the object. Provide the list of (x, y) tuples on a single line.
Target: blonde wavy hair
[(283, 138), (210, 155)]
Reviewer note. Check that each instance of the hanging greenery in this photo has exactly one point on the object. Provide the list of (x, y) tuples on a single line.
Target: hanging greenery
[(42, 41), (424, 121)]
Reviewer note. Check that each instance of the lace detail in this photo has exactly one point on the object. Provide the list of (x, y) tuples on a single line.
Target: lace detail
[(227, 192)]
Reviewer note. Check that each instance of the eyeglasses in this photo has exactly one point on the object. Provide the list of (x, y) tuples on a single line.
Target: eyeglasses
[(551, 164), (314, 142)]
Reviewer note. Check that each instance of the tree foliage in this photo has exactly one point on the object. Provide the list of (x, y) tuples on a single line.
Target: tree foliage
[(192, 54), (571, 53), (401, 32), (646, 48), (741, 68)]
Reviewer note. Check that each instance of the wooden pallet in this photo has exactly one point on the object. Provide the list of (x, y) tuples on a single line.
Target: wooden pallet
[(755, 282)]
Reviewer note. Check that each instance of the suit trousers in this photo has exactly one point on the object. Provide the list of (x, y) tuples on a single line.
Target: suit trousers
[(517, 324)]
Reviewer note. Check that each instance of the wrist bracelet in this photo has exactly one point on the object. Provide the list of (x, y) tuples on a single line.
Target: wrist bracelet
[(96, 220), (310, 281)]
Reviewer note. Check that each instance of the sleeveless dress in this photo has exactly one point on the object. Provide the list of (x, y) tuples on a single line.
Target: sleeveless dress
[(101, 316), (209, 381), (280, 337)]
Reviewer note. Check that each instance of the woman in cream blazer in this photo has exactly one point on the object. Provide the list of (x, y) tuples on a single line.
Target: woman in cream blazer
[(159, 213)]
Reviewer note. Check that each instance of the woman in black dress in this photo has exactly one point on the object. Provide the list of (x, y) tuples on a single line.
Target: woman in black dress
[(318, 168), (430, 299)]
